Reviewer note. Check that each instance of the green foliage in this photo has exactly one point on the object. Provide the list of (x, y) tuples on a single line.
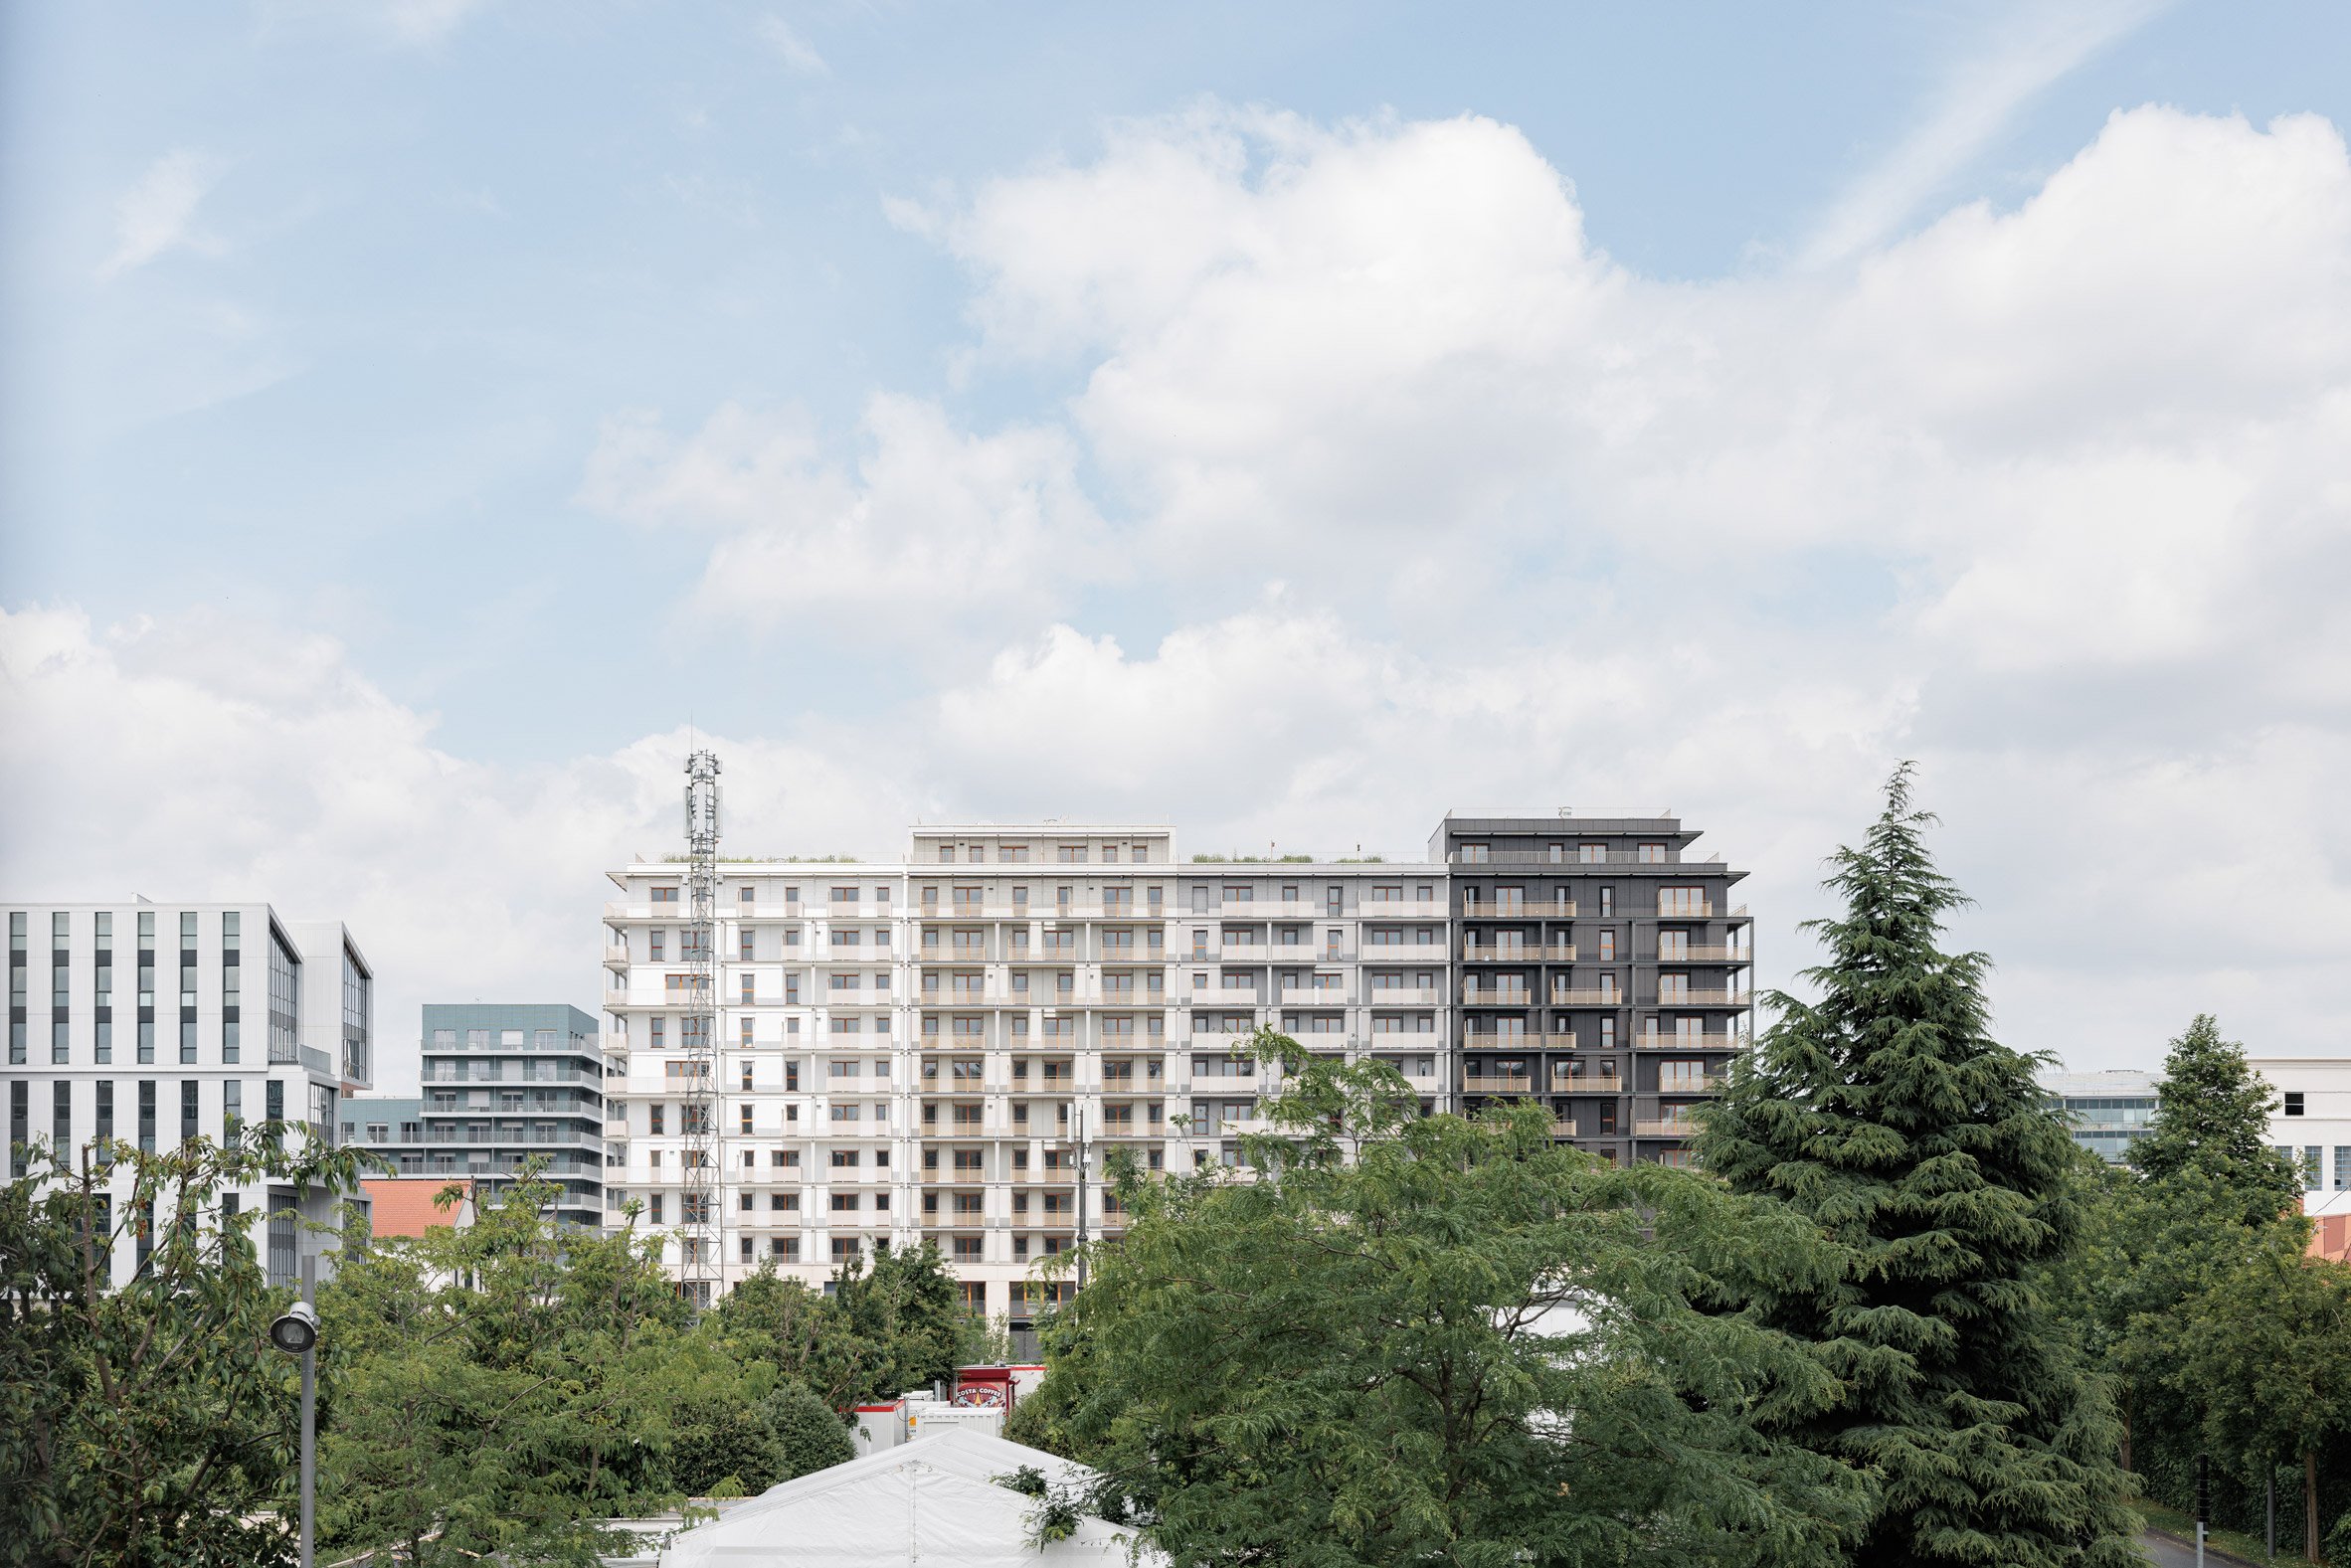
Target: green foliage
[(2192, 1288), (155, 1423), (501, 1388), (903, 1320), (1400, 1339), (810, 1433), (1885, 1115), (2212, 1115)]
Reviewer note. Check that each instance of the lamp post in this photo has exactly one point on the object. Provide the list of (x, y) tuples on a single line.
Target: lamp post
[(297, 1334)]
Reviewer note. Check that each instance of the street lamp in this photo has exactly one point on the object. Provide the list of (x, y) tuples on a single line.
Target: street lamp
[(296, 1332)]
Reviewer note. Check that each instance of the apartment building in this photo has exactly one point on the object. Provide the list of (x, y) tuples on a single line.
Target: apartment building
[(1603, 972), (503, 1084), (97, 1061), (919, 1048)]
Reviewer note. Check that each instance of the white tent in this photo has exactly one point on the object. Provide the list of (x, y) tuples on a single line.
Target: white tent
[(932, 1501)]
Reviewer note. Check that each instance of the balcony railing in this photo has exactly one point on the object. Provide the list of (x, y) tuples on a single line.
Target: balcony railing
[(1491, 1084), (1574, 996), (1403, 996), (1487, 996), (954, 1179), (1708, 955), (1482, 910), (1672, 1127), (1528, 952), (1707, 999), (1692, 1042)]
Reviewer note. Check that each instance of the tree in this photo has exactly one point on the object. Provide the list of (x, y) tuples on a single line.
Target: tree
[(1405, 1340), (2205, 1201), (2212, 1114), (810, 1433), (1887, 1115), (2273, 1356), (151, 1422), (902, 1320), (505, 1388)]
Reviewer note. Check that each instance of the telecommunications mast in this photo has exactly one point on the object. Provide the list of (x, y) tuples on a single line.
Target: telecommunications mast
[(698, 1231)]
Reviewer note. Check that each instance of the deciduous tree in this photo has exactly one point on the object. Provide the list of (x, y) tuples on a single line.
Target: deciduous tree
[(1408, 1340)]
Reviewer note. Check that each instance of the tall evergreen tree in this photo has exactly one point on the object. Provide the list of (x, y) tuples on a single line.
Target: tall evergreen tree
[(1888, 1114), (2212, 1114)]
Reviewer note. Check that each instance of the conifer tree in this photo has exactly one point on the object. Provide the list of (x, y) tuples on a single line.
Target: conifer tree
[(2212, 1114), (1888, 1114)]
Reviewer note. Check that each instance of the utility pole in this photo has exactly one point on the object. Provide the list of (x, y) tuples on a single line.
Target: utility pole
[(2203, 1501), (1084, 1194)]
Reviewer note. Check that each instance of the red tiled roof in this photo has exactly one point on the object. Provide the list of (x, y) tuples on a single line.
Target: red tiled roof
[(404, 1206)]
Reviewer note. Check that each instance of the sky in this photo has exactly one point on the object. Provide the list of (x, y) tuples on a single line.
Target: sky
[(420, 419)]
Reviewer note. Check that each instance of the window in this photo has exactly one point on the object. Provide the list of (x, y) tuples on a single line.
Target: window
[(2293, 1101), (750, 991), (1653, 854), (1681, 901), (746, 950)]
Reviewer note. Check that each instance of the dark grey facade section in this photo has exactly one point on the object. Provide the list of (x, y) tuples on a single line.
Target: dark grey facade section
[(503, 1083), (1600, 970)]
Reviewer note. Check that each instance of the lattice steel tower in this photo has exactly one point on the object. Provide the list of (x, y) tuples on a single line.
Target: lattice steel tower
[(698, 1231)]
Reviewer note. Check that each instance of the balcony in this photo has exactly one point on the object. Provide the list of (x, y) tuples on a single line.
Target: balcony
[(1707, 998), (1314, 996), (1403, 996), (1400, 909), (1485, 911), (1672, 1127), (1708, 955), (1488, 996), (1701, 1084), (954, 1179), (1236, 953), (1490, 1084), (1571, 997), (1693, 1042), (616, 955), (1134, 1129), (1524, 953)]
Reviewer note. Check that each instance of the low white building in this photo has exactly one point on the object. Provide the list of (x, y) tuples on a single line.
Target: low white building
[(937, 1500), (2310, 1123)]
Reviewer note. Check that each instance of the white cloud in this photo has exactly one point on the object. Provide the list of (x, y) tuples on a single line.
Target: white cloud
[(948, 529), (207, 757), (157, 214), (2036, 46), (800, 57), (427, 21)]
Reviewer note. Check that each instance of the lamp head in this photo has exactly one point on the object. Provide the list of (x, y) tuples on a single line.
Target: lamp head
[(296, 1331)]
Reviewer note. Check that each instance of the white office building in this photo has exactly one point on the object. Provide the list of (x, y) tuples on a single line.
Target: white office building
[(2310, 1124), (270, 1019)]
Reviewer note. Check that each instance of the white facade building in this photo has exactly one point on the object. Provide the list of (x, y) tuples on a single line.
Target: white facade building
[(2311, 1123), (155, 1022), (913, 1050)]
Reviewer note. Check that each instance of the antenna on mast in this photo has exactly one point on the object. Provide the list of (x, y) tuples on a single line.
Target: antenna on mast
[(700, 1260)]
